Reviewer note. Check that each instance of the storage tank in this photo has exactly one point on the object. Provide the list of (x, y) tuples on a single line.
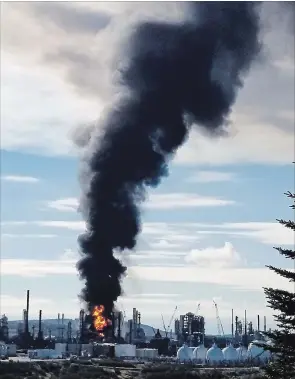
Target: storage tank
[(125, 350), (151, 353), (214, 355), (184, 353), (140, 353), (230, 353), (199, 354), (242, 353), (3, 350), (11, 350), (257, 352)]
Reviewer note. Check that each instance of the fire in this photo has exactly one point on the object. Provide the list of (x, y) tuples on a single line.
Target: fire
[(99, 321)]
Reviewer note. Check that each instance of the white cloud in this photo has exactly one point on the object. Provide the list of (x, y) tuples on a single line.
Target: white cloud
[(19, 179), (10, 235), (212, 176), (66, 205), (239, 278), (250, 141), (164, 244), (45, 106), (181, 233), (211, 257), (184, 200), (155, 201), (266, 232)]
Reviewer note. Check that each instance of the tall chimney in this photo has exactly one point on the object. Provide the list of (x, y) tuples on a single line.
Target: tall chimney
[(27, 313), (232, 323), (258, 323), (62, 327), (245, 322), (119, 326), (40, 334), (264, 326)]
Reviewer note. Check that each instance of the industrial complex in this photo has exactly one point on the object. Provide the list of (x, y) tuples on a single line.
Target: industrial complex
[(92, 335)]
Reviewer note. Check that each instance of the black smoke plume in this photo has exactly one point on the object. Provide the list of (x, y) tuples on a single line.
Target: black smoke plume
[(174, 76)]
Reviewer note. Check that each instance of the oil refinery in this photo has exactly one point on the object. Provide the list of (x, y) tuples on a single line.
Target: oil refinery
[(94, 336)]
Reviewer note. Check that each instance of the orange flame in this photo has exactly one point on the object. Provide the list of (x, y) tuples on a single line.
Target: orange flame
[(99, 321)]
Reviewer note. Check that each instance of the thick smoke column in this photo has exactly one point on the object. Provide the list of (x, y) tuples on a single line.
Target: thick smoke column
[(175, 76)]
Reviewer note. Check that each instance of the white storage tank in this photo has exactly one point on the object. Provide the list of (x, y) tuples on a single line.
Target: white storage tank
[(257, 352), (242, 353), (214, 355), (230, 353), (125, 350), (140, 353), (150, 353), (184, 353), (199, 353), (3, 350)]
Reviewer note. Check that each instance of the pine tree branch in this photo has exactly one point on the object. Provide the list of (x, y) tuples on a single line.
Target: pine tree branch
[(288, 224), (286, 252), (285, 273)]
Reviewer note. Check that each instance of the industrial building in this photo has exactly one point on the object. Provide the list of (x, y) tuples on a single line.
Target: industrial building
[(127, 339)]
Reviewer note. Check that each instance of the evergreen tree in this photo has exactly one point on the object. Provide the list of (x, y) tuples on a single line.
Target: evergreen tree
[(283, 303)]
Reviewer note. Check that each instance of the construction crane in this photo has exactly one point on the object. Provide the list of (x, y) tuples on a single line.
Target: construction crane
[(171, 320), (219, 323), (164, 326)]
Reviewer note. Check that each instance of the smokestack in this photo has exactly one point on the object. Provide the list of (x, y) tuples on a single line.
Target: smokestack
[(139, 319), (258, 323), (130, 331), (40, 333), (264, 326), (62, 326), (232, 323), (119, 326), (245, 322), (27, 313), (174, 76)]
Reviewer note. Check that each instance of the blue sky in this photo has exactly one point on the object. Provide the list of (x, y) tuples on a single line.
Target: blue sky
[(208, 229)]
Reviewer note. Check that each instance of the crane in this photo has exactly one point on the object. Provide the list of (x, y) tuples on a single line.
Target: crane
[(164, 326), (170, 322), (219, 323)]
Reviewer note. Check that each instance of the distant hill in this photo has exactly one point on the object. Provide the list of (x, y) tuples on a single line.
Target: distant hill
[(53, 326)]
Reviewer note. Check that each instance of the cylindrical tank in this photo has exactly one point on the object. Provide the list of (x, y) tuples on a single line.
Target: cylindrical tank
[(214, 355), (230, 354), (199, 353), (257, 352), (242, 353), (184, 354)]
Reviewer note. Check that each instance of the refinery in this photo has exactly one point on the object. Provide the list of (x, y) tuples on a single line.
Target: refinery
[(94, 336)]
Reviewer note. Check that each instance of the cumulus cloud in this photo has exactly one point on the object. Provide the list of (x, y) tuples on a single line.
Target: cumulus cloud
[(19, 179), (211, 257)]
